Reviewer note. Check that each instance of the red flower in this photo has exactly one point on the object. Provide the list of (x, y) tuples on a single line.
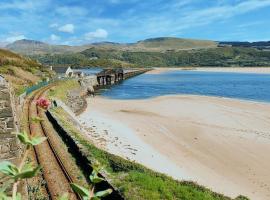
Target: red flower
[(43, 103)]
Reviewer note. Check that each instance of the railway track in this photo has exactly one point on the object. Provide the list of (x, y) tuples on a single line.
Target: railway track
[(54, 172)]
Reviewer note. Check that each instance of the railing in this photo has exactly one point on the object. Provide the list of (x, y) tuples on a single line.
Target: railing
[(42, 84), (35, 87)]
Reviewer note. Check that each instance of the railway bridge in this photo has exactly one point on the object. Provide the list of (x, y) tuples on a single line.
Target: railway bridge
[(110, 76), (115, 75)]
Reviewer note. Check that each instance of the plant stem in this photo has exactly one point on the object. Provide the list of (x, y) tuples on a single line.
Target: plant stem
[(15, 185), (92, 193)]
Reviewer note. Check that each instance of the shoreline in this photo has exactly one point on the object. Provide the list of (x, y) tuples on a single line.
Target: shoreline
[(194, 95), (252, 70), (158, 144)]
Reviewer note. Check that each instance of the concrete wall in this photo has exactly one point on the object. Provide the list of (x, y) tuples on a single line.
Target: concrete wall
[(9, 147)]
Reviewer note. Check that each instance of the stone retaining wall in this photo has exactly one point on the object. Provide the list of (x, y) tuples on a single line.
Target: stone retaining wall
[(9, 147)]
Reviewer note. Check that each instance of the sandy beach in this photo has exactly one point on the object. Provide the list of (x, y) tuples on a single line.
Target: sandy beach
[(256, 70), (220, 143)]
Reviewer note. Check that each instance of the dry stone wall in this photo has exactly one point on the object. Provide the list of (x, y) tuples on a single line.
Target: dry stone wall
[(9, 147)]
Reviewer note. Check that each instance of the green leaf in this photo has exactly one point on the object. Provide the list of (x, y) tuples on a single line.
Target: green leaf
[(8, 168), (3, 196), (96, 166), (95, 178), (80, 190), (37, 140), (103, 193), (25, 139), (27, 172), (18, 196)]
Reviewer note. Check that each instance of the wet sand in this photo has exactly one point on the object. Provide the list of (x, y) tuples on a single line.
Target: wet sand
[(220, 143)]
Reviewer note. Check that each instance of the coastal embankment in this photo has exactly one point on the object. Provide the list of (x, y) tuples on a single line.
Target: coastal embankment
[(220, 143)]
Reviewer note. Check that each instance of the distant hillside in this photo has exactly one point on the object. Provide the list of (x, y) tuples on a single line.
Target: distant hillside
[(154, 52), (20, 71), (169, 43), (31, 47), (222, 56), (258, 45)]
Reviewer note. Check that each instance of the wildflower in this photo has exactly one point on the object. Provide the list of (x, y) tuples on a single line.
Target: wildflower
[(43, 103)]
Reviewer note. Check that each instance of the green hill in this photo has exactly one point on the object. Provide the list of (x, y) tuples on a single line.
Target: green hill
[(221, 56), (31, 47), (169, 43), (20, 71), (154, 52)]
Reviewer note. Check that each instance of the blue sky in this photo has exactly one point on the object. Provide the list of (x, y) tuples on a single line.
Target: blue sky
[(77, 22)]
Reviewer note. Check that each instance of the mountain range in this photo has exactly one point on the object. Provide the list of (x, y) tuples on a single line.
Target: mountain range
[(154, 52), (31, 47)]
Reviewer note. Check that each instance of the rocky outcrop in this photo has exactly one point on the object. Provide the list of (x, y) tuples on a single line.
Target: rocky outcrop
[(76, 101), (9, 147)]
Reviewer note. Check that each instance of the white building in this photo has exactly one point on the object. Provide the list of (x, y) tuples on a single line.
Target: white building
[(64, 71)]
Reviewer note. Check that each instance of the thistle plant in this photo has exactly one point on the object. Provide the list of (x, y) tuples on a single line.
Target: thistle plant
[(90, 194), (24, 170), (15, 174)]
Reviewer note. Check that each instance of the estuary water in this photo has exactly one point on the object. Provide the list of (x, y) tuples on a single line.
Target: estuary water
[(247, 86)]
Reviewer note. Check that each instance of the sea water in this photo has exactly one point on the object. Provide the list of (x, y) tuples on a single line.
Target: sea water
[(232, 85)]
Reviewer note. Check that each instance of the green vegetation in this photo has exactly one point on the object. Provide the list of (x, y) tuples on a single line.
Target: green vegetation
[(20, 71), (134, 180), (78, 59), (170, 43), (61, 90), (155, 52), (10, 59), (222, 56), (108, 54), (14, 175), (94, 179)]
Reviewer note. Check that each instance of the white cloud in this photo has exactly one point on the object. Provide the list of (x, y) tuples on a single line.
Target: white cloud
[(71, 11), (54, 37), (14, 38), (23, 5), (68, 28), (72, 41), (53, 25), (176, 17), (98, 34), (212, 14)]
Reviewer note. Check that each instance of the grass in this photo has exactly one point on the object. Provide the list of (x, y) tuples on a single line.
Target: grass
[(20, 71), (61, 89), (19, 78), (134, 180)]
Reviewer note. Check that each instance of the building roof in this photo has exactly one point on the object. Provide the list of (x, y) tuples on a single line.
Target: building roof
[(60, 70)]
